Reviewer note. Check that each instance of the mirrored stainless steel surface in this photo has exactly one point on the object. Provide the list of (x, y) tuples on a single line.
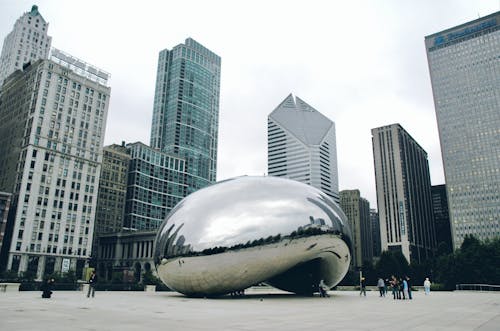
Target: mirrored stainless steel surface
[(248, 230)]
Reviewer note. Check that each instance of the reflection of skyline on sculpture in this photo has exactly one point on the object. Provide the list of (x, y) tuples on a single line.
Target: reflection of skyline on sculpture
[(220, 221), (262, 227)]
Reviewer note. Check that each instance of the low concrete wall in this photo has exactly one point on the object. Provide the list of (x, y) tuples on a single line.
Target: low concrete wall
[(150, 288), (9, 287)]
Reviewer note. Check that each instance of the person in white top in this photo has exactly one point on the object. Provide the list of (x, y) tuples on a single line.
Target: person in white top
[(427, 286)]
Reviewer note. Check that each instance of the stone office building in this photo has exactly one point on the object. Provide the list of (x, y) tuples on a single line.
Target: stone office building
[(52, 121)]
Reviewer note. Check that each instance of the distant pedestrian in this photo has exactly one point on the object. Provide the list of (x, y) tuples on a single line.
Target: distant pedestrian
[(405, 290), (401, 289), (381, 287), (394, 288), (362, 289), (47, 287), (323, 289), (409, 287), (92, 283), (427, 286)]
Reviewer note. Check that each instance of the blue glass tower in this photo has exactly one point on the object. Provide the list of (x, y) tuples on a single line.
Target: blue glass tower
[(186, 109)]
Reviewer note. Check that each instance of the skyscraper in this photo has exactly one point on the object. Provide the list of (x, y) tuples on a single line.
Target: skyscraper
[(357, 210), (186, 109), (27, 42), (112, 190), (301, 145), (465, 70), (403, 193), (52, 122)]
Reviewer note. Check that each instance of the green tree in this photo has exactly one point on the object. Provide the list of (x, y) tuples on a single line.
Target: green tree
[(475, 262), (392, 263), (149, 279)]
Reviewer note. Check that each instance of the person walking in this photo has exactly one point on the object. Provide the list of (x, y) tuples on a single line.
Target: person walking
[(363, 287), (381, 286), (92, 282), (427, 286)]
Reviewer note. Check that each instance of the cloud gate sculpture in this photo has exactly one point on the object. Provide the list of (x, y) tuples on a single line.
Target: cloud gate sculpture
[(248, 230)]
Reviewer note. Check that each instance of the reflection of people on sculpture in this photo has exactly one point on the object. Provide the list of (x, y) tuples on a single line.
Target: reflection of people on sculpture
[(237, 293), (322, 289)]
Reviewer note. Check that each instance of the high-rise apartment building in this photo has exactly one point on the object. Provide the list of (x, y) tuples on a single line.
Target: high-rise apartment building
[(465, 70), (441, 218), (377, 250), (403, 193), (27, 42), (156, 183), (52, 121), (301, 145), (150, 183), (357, 210), (112, 190), (186, 109)]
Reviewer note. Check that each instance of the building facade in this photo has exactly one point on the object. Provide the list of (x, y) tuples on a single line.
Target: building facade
[(465, 75), (27, 42), (52, 122), (128, 253), (403, 193), (186, 109), (4, 213), (156, 183), (112, 190), (441, 218), (357, 210), (377, 250), (301, 145)]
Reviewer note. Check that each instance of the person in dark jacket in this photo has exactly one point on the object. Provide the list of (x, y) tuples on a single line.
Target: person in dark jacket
[(47, 287), (363, 287), (92, 282), (409, 287)]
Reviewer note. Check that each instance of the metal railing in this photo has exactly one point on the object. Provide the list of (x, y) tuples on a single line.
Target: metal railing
[(477, 287)]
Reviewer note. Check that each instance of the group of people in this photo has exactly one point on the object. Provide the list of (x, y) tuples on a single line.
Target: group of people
[(400, 287)]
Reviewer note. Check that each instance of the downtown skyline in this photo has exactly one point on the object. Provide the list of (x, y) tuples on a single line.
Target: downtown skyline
[(363, 67)]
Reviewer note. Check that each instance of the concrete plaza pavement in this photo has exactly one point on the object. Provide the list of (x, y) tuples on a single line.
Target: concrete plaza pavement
[(260, 309)]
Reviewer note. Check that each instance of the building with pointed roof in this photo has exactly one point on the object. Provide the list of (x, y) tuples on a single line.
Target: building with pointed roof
[(27, 42), (302, 146)]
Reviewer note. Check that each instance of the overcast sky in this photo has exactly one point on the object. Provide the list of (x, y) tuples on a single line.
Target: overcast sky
[(360, 63)]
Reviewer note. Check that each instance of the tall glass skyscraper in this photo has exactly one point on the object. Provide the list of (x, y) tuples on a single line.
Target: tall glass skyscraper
[(301, 145), (464, 65), (186, 109)]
